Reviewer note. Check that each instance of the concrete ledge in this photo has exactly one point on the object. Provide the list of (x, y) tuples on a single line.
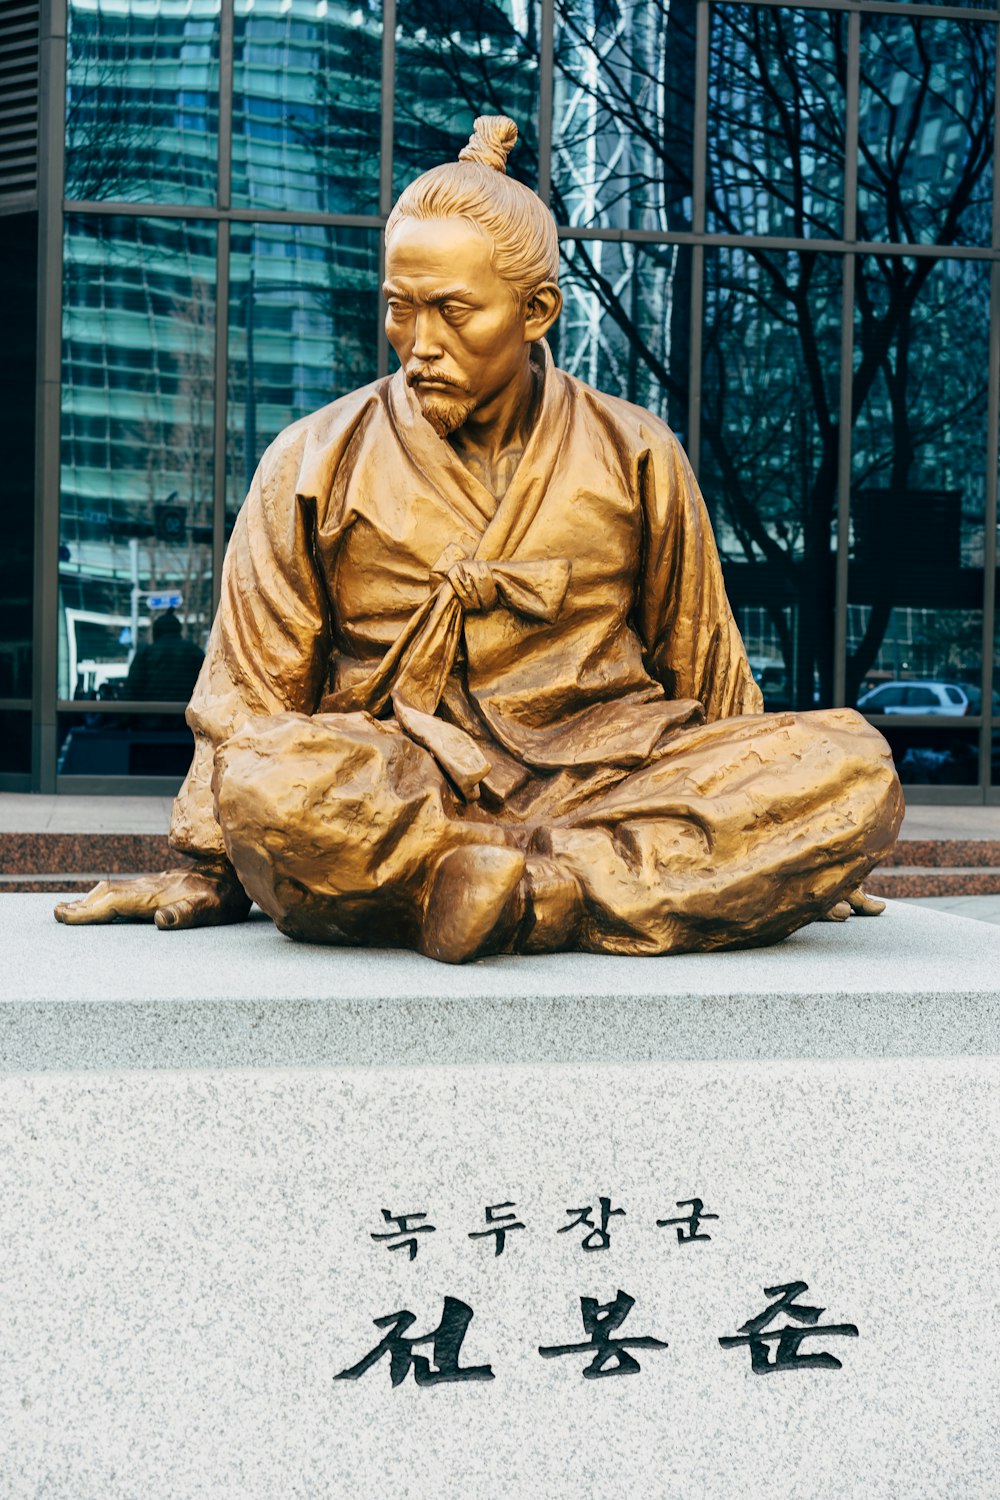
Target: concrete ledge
[(910, 983)]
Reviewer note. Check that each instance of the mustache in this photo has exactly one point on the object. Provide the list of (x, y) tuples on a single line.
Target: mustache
[(425, 372)]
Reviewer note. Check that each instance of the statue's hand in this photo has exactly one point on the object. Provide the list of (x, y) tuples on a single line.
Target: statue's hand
[(206, 895), (855, 902)]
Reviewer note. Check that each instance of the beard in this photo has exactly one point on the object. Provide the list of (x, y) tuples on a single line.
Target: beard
[(445, 413)]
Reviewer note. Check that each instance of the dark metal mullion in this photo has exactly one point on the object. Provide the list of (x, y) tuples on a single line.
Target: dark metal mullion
[(925, 721), (913, 250), (226, 31), (699, 168), (546, 97), (119, 706), (695, 368), (51, 174), (845, 409), (385, 171), (222, 252), (221, 412), (123, 209), (886, 8), (992, 472)]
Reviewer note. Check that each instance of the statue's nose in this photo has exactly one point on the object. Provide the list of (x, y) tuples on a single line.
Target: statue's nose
[(426, 337)]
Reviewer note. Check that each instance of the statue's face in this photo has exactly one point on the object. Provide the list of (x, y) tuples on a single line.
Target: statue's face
[(460, 334)]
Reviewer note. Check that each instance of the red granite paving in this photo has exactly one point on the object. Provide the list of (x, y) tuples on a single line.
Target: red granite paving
[(74, 861)]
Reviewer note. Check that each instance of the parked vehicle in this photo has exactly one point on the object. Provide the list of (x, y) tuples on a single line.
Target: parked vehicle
[(947, 699)]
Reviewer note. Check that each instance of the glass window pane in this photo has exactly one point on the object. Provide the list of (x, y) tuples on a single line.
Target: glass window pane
[(456, 59), (623, 113), (307, 105), (142, 100), (915, 584), (926, 130), (769, 445), (776, 108), (138, 385), (303, 330), (19, 279), (123, 744), (625, 324), (15, 742), (934, 755)]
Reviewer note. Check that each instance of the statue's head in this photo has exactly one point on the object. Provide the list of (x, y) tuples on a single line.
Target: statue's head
[(472, 264)]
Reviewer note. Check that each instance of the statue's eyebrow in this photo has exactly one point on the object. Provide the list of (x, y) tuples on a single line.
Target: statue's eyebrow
[(452, 294)]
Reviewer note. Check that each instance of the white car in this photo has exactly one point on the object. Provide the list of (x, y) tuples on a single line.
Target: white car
[(921, 697)]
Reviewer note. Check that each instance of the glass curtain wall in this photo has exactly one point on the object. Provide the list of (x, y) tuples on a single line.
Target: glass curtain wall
[(779, 232)]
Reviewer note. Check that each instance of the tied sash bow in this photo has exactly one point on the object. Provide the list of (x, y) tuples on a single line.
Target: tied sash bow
[(414, 670)]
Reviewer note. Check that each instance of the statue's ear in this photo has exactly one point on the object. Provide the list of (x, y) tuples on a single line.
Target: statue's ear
[(541, 310)]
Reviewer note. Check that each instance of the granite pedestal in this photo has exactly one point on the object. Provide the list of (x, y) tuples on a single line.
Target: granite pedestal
[(202, 1134)]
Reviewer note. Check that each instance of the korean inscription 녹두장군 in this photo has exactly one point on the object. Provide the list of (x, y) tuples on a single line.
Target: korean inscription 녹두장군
[(474, 684)]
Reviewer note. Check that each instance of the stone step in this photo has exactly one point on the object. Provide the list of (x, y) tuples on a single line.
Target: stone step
[(934, 880), (945, 852), (74, 861), (80, 853)]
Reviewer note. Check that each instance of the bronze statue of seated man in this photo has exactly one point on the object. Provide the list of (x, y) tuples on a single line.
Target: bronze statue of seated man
[(474, 685)]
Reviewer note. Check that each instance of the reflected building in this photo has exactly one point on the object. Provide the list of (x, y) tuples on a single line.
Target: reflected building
[(776, 234)]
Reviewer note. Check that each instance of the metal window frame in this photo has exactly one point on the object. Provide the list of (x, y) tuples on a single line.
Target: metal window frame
[(45, 705)]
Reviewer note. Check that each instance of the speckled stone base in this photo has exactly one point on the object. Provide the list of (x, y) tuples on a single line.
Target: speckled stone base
[(205, 1136), (945, 852), (112, 853)]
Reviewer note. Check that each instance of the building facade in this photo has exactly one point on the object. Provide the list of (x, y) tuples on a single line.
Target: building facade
[(780, 231)]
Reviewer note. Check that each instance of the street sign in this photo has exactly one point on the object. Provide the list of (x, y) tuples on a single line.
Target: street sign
[(164, 601)]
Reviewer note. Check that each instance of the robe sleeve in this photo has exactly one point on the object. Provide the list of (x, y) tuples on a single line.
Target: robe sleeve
[(270, 644), (692, 643)]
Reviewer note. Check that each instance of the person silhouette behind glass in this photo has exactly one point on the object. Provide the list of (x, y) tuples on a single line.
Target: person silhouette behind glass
[(167, 669)]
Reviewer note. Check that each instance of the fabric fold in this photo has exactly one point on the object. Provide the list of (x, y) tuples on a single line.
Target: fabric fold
[(417, 665)]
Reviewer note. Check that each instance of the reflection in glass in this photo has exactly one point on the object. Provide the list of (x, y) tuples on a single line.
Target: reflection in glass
[(926, 130), (623, 113), (92, 743), (918, 479), (15, 742), (306, 105), (19, 279), (303, 323), (136, 510), (776, 109), (456, 59), (625, 324), (768, 466), (142, 100), (932, 755)]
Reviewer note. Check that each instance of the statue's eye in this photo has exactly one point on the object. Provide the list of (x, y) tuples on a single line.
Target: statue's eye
[(398, 308), (453, 310)]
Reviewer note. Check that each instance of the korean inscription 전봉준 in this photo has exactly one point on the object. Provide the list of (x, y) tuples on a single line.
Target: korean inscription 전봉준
[(609, 1353)]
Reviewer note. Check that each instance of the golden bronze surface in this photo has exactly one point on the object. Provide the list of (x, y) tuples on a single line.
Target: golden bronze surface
[(474, 684)]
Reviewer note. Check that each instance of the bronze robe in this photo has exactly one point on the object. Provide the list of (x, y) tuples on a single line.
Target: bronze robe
[(401, 665)]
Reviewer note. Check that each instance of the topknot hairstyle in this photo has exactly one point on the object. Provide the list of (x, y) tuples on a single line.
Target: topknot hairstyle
[(477, 188), (492, 140)]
